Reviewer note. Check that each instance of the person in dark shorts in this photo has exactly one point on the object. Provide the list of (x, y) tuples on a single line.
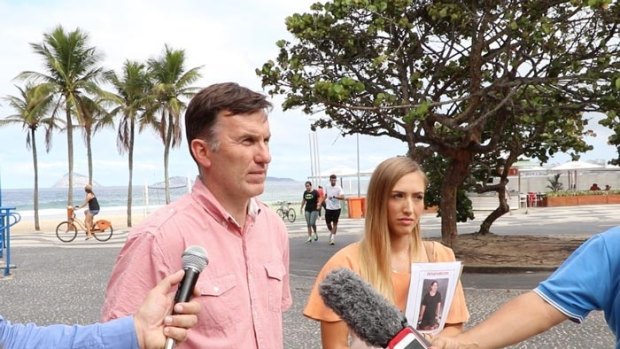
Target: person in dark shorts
[(333, 195), (93, 209)]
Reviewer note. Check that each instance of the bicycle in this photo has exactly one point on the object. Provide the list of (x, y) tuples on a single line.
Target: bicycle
[(286, 211), (67, 231)]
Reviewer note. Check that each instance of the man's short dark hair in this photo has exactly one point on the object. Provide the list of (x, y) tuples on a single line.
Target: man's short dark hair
[(229, 97), (332, 176)]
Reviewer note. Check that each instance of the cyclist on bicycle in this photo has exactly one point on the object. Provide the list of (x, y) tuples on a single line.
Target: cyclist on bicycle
[(93, 209)]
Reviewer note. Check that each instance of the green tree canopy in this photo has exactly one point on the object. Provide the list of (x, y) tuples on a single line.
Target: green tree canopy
[(444, 77), (72, 66), (170, 89)]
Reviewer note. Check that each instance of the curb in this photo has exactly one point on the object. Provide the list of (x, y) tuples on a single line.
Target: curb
[(507, 269)]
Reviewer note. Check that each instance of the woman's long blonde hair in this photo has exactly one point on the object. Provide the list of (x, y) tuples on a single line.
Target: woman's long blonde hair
[(375, 246)]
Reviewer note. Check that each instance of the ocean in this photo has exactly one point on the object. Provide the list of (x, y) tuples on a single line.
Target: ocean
[(53, 201)]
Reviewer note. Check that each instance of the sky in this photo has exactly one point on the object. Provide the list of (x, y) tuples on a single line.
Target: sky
[(228, 39)]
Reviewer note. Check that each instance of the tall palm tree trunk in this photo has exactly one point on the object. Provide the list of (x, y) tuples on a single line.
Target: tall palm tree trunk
[(89, 155), (171, 126), (166, 176), (69, 154), (130, 160), (36, 181)]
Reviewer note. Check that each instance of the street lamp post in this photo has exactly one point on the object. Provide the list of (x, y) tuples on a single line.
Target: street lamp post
[(359, 191)]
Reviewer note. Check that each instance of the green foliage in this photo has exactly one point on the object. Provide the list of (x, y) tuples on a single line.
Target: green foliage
[(561, 193), (554, 183), (434, 167), (466, 80), (612, 118)]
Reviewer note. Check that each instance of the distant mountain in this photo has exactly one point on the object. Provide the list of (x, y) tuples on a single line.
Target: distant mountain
[(78, 181), (173, 182), (278, 179)]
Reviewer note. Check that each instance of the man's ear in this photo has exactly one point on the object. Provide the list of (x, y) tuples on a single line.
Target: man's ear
[(202, 152)]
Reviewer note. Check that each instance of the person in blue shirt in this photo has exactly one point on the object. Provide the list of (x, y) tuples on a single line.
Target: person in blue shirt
[(147, 329), (588, 280)]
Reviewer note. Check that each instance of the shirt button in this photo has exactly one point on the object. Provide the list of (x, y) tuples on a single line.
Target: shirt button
[(216, 289)]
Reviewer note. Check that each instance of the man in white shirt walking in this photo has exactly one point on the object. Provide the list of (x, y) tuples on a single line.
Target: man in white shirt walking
[(333, 195)]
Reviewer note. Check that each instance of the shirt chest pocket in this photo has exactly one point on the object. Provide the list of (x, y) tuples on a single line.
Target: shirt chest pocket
[(219, 303), (275, 281)]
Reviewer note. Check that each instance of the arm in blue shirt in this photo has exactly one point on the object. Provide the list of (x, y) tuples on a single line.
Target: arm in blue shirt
[(118, 334), (588, 280)]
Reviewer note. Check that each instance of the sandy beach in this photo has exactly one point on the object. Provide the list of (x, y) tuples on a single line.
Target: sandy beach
[(49, 219)]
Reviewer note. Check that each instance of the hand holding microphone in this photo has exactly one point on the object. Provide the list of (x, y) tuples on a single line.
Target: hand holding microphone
[(367, 313), (194, 261)]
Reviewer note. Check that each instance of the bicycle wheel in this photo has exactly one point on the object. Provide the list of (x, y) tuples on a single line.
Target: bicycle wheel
[(280, 213), (66, 231), (103, 230), (291, 215)]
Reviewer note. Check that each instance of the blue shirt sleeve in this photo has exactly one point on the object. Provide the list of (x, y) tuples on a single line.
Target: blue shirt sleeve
[(118, 333), (584, 282)]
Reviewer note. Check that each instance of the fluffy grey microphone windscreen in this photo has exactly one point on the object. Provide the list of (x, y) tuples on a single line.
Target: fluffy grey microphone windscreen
[(195, 257), (367, 313)]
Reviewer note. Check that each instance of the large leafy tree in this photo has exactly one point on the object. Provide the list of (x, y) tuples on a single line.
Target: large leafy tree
[(612, 120), (441, 75), (129, 102), (72, 67), (171, 88), (32, 111), (537, 135)]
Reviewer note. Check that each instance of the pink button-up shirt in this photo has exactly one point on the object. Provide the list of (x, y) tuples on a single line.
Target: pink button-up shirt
[(244, 288)]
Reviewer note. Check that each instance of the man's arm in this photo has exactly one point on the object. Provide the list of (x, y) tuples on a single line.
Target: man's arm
[(137, 270), (147, 330), (340, 194), (525, 316)]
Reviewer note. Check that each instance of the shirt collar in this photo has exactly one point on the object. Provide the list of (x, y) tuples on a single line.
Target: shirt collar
[(205, 197)]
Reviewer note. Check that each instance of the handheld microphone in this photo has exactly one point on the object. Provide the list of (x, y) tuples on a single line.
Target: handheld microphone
[(367, 313), (194, 261)]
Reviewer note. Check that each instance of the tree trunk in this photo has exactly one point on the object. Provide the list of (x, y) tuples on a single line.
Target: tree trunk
[(89, 155), (130, 160), (171, 125), (36, 180), (456, 174), (502, 209), (69, 152)]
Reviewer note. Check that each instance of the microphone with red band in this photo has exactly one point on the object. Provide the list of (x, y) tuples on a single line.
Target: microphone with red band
[(194, 261), (367, 313)]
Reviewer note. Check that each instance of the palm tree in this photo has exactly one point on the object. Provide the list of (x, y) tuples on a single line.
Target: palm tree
[(73, 68), (171, 83), (32, 109), (554, 183), (130, 101), (93, 117)]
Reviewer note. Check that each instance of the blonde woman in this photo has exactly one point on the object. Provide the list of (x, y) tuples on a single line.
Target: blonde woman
[(383, 257)]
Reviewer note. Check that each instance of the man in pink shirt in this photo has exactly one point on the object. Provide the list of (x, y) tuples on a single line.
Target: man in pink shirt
[(245, 287)]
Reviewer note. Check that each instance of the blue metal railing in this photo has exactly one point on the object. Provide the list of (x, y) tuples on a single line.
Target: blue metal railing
[(7, 220)]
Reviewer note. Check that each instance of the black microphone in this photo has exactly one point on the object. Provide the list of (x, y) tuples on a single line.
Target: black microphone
[(367, 313), (194, 261)]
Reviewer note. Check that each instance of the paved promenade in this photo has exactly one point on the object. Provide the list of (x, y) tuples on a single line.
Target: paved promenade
[(64, 283)]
